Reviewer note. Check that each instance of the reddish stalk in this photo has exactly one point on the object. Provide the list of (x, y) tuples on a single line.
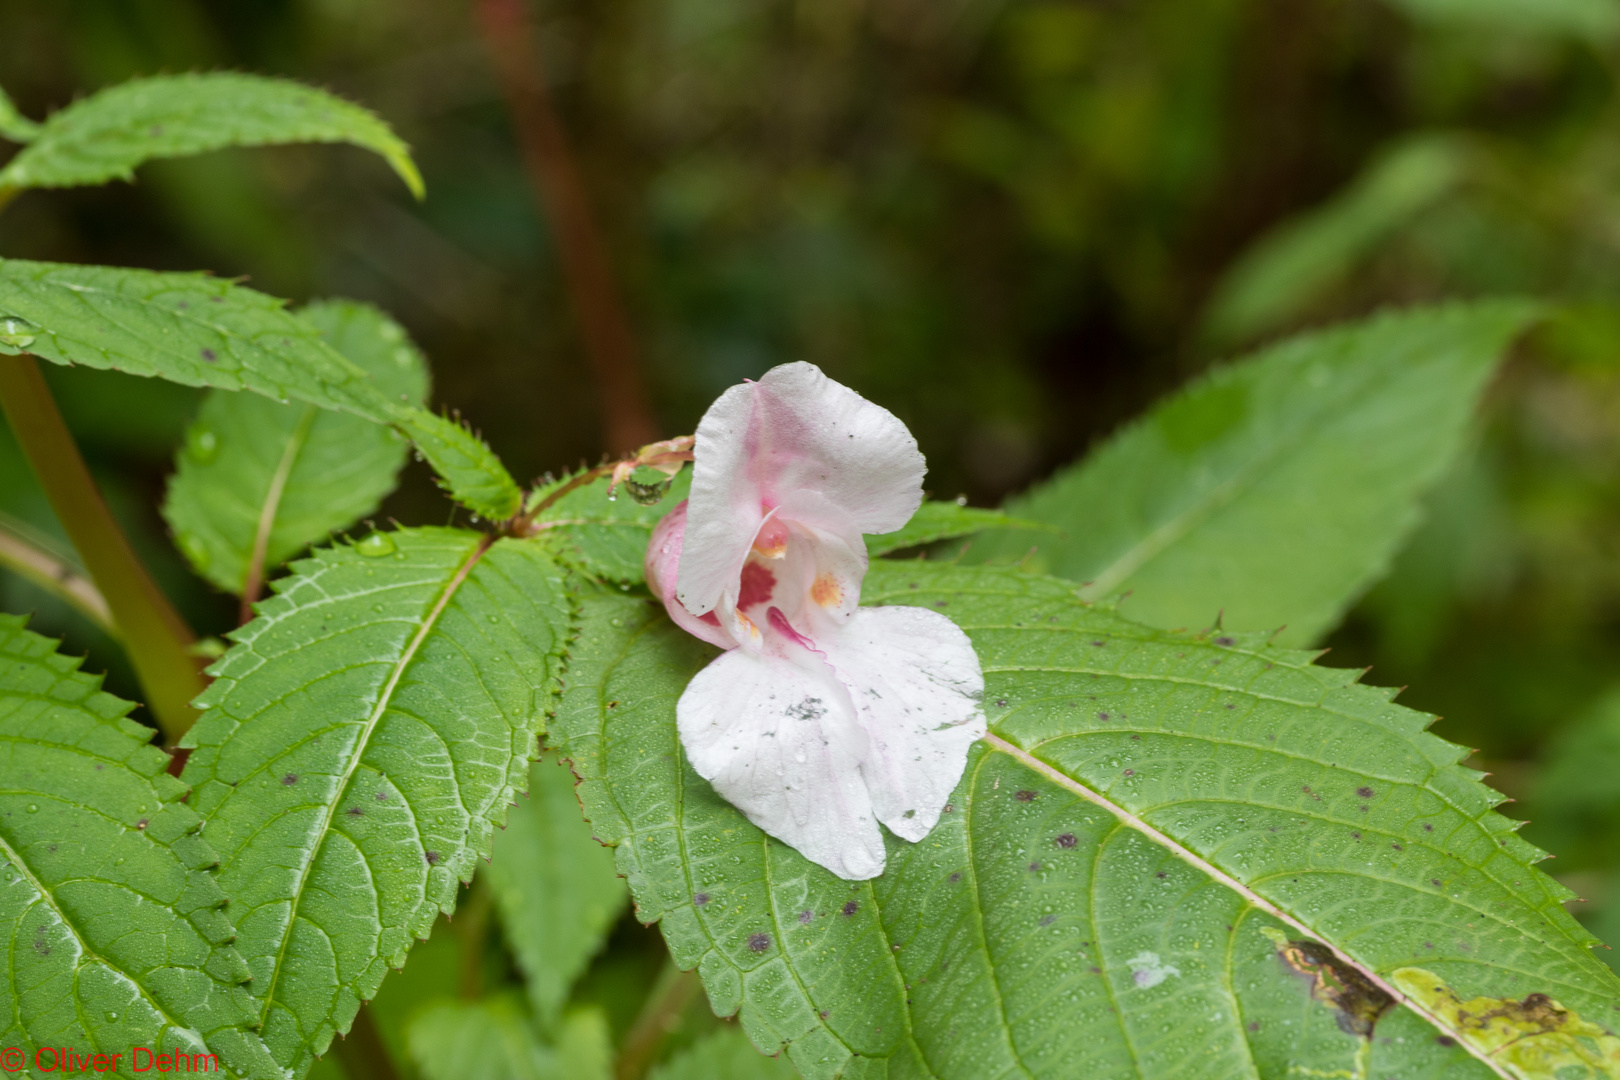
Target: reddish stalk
[(593, 294)]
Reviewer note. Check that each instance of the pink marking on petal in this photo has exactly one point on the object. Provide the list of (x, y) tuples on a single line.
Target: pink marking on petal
[(709, 617), (780, 624), (757, 585)]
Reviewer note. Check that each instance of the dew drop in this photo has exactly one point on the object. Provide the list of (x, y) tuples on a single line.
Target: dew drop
[(17, 333), (112, 1016), (33, 808), (376, 545), (202, 444)]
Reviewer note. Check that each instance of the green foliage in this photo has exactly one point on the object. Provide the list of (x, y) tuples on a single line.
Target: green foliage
[(938, 520), (469, 469), (1133, 876), (607, 538), (199, 331), (555, 886), (724, 1055), (1279, 278), (256, 471), (115, 932), (493, 1039), (13, 124), (359, 744), (1276, 489), (106, 135)]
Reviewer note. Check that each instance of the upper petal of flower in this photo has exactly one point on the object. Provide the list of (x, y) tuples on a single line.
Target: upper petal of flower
[(794, 430), (777, 737), (661, 562), (916, 686)]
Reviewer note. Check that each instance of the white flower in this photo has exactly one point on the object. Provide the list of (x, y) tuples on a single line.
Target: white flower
[(823, 718)]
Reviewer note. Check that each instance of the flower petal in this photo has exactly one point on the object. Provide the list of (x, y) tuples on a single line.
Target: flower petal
[(794, 430), (777, 738), (661, 563), (916, 685)]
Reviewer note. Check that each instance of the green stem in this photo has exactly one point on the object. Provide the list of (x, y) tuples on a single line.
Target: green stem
[(34, 559), (669, 998), (157, 639)]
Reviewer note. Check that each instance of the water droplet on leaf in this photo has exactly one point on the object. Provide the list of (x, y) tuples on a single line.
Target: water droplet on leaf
[(376, 545), (17, 333)]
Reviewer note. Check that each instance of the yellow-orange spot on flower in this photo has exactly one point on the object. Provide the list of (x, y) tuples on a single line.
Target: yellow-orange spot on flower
[(775, 551), (827, 591)]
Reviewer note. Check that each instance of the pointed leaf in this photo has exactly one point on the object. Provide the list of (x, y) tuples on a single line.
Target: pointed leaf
[(114, 929), (493, 1040), (1172, 849), (199, 331), (14, 125), (360, 742), (254, 471), (555, 886), (106, 135), (1277, 489)]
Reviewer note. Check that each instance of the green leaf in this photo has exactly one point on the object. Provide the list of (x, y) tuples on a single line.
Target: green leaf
[(105, 136), (199, 331), (606, 538), (1172, 848), (1278, 488), (724, 1055), (360, 742), (935, 521), (471, 472), (253, 471), (14, 125), (493, 1040), (1293, 266), (555, 887), (114, 929)]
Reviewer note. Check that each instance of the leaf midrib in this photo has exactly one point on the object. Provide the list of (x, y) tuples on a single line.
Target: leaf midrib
[(11, 855), (1130, 820), (257, 556), (384, 700)]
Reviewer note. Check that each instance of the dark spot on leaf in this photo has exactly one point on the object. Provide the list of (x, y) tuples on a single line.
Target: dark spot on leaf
[(354, 811), (1445, 1040), (290, 779), (433, 858), (1356, 835), (382, 796), (1428, 944), (1066, 840), (1024, 796), (1102, 716), (1048, 920), (1356, 1000), (759, 942), (1227, 641), (1365, 792), (1254, 1025), (141, 824), (1099, 644), (1435, 882), (1034, 867), (209, 355), (954, 878), (805, 916), (939, 603), (1001, 702), (1096, 971), (1130, 772), (849, 908), (1229, 705), (1161, 875), (1397, 847), (1427, 827), (700, 899)]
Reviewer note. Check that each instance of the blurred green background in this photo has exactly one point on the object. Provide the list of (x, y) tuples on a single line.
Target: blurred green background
[(1014, 223)]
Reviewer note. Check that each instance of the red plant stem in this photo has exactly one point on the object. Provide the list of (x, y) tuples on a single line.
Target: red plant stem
[(593, 294), (157, 640)]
